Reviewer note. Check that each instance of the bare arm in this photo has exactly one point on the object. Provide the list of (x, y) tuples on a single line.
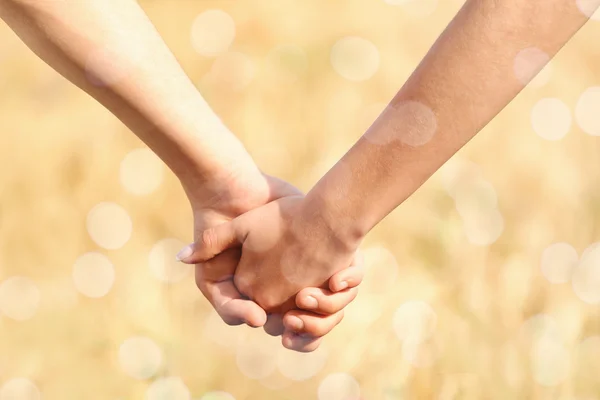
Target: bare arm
[(110, 49), (465, 80)]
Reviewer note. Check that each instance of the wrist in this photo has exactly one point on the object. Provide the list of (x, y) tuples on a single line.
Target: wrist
[(206, 187), (193, 142), (338, 227)]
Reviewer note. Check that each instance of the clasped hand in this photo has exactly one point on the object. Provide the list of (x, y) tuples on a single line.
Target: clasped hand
[(274, 264)]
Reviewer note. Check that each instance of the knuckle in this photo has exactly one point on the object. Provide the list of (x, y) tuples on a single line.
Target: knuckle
[(327, 305), (243, 285), (301, 296), (304, 292), (325, 327), (266, 301), (314, 329), (208, 239), (273, 302)]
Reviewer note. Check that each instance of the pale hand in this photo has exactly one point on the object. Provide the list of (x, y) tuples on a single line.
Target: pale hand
[(215, 277), (285, 248)]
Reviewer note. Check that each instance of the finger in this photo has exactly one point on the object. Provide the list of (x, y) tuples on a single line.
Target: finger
[(274, 325), (322, 301), (212, 242), (233, 309), (300, 343), (350, 277), (220, 268), (310, 324)]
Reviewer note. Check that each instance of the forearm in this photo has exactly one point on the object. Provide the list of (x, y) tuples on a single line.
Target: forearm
[(465, 80), (111, 50)]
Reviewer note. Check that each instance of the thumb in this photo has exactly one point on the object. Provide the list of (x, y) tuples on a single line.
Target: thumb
[(211, 242), (350, 277)]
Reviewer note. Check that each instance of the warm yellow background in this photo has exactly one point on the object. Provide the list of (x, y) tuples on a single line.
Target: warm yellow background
[(60, 155)]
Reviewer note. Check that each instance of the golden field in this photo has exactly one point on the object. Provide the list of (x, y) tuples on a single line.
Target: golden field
[(477, 287)]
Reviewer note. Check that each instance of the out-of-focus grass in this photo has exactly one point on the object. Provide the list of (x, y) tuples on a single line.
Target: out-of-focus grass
[(60, 155)]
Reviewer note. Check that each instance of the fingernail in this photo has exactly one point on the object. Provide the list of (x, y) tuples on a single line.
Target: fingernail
[(311, 302), (185, 252), (295, 323), (343, 285)]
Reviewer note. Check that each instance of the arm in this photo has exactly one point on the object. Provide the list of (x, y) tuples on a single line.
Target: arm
[(112, 51), (464, 81)]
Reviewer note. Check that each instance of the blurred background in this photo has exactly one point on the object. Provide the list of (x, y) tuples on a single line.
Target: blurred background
[(483, 285)]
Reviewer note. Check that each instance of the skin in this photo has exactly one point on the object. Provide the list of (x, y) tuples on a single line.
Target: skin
[(465, 80), (111, 50)]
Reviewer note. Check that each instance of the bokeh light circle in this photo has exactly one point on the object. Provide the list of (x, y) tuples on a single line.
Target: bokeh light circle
[(586, 277), (232, 70), (414, 320), (530, 62), (589, 8), (20, 389), (381, 270), (140, 357), (93, 275), (586, 111), (366, 309), (592, 247), (540, 327), (221, 333), (109, 225), (301, 366), (276, 381), (339, 386), (141, 172), (476, 199), (558, 262), (355, 58), (550, 362), (459, 175), (369, 114), (217, 395), (588, 361), (162, 263), (213, 32), (410, 122), (256, 357), (551, 119), (19, 298), (286, 63), (419, 354), (171, 388), (484, 229)]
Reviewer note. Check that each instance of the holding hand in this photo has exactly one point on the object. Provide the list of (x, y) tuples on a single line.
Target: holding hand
[(285, 247)]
